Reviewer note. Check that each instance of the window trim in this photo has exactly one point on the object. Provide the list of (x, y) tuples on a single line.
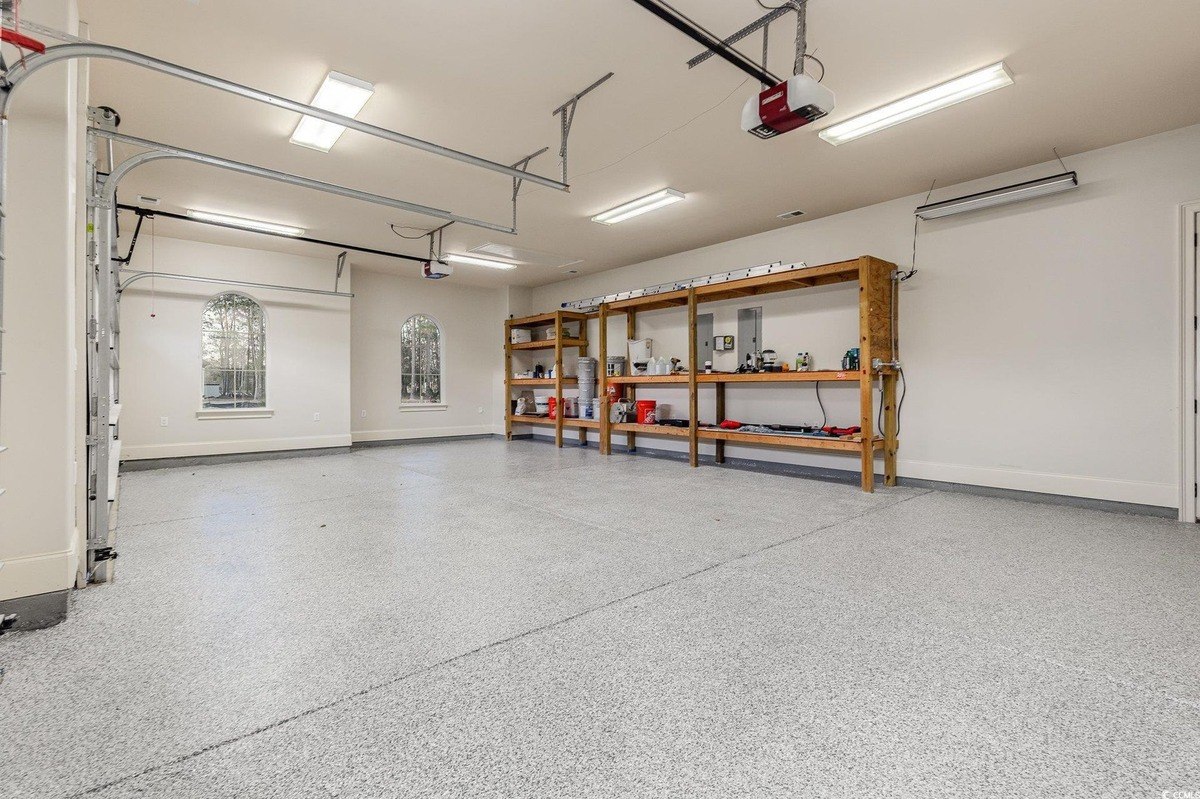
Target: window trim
[(263, 412), (425, 406)]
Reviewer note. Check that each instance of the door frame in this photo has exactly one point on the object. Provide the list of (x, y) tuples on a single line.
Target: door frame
[(1188, 314)]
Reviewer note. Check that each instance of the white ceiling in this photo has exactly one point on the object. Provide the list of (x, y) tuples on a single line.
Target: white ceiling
[(483, 76)]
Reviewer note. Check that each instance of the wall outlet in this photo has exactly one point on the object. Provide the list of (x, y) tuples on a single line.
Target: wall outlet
[(162, 421), (316, 417), (364, 414), (479, 409)]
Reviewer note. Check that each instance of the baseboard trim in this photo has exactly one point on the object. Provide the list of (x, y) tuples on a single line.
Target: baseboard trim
[(198, 449), (39, 611), (421, 434), (847, 477), (149, 464), (400, 442)]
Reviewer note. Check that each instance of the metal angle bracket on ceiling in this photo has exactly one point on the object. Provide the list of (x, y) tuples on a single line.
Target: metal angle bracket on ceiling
[(778, 267), (800, 7), (566, 114)]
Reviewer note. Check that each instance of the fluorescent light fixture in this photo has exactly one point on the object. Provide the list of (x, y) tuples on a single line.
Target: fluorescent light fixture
[(941, 96), (340, 94), (651, 202), (454, 258), (1002, 196), (248, 224)]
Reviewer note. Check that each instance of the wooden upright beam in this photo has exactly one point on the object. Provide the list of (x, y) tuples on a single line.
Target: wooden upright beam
[(693, 402), (602, 374), (508, 380), (558, 381), (630, 391)]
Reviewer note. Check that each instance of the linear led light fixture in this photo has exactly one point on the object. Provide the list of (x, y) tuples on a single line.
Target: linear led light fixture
[(941, 96), (642, 205), (340, 94), (592, 303), (248, 224), (1002, 196), (454, 258)]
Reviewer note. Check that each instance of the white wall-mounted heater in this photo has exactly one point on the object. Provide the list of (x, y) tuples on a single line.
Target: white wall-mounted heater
[(1002, 196)]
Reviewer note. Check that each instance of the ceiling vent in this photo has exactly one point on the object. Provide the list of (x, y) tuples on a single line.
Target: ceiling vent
[(791, 214), (524, 256), (144, 200)]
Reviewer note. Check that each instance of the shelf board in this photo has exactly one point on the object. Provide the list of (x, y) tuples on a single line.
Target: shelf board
[(547, 319), (541, 381), (826, 274), (549, 345), (546, 420), (633, 380), (649, 429), (830, 375), (797, 442)]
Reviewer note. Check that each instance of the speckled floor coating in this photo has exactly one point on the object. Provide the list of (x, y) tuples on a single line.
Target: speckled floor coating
[(485, 619)]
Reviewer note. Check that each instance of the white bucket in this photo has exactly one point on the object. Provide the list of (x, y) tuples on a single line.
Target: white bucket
[(639, 349)]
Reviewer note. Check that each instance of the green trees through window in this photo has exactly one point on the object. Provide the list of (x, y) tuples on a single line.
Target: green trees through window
[(234, 353), (420, 361)]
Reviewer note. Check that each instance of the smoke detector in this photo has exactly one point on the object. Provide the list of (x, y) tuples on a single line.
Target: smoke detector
[(791, 214)]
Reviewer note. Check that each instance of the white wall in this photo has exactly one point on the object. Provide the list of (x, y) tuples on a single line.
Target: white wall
[(308, 352), (40, 528), (472, 328), (1040, 340)]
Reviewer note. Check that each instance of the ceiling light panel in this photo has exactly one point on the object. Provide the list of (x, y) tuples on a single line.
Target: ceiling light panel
[(523, 255), (472, 260), (248, 224), (642, 205), (341, 94), (933, 99)]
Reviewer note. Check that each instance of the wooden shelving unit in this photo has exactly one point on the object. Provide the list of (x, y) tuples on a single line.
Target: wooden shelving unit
[(877, 335), (556, 320)]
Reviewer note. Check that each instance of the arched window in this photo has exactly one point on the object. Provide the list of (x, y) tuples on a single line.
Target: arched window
[(420, 361), (233, 346)]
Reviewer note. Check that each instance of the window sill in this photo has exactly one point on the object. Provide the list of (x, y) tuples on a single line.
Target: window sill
[(416, 407), (234, 413)]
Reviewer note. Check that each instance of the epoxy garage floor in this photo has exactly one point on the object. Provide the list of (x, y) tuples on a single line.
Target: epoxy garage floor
[(478, 619)]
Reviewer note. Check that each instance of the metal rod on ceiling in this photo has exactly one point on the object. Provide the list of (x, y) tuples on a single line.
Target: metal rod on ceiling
[(691, 30), (20, 71), (142, 212), (159, 151), (135, 276)]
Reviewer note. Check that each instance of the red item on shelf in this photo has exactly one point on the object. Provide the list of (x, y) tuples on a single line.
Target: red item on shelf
[(646, 411), (729, 424), (615, 393), (553, 407), (842, 431)]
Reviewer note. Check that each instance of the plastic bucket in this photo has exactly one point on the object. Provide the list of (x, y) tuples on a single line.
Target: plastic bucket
[(585, 375), (646, 411), (640, 349), (541, 404)]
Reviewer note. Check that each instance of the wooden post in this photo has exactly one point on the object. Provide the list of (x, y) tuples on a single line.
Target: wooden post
[(890, 419), (583, 348), (602, 374), (720, 444), (508, 380), (693, 420), (867, 313), (558, 357), (630, 391)]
